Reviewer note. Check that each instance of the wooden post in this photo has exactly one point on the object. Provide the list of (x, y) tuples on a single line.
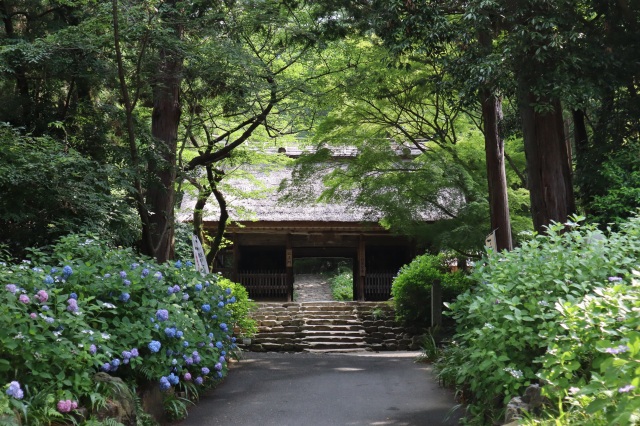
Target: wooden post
[(436, 304), (289, 269), (236, 258), (362, 270)]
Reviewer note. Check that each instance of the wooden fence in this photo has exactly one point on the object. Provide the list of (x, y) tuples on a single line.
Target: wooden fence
[(377, 285), (264, 284)]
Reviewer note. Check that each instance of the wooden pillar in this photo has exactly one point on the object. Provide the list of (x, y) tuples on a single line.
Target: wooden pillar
[(289, 269), (362, 270), (236, 258)]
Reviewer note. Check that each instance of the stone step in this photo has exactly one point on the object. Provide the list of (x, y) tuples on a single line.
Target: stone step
[(330, 327), (336, 345), (333, 338), (331, 321)]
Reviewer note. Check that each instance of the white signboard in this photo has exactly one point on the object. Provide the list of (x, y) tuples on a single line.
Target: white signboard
[(199, 256), (490, 241)]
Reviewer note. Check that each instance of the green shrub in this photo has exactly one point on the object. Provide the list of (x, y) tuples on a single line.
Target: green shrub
[(593, 366), (342, 286), (506, 322), (86, 308), (411, 289)]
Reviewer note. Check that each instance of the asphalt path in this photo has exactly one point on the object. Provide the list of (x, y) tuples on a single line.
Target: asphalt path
[(300, 389)]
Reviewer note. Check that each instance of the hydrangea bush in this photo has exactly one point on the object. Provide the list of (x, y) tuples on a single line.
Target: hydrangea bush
[(508, 320), (87, 308)]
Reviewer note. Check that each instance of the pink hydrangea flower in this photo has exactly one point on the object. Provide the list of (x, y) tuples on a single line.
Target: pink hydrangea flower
[(65, 406), (187, 376), (42, 296), (33, 315), (24, 298)]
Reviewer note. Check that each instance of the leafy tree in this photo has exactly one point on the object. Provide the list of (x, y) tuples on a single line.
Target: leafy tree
[(49, 190)]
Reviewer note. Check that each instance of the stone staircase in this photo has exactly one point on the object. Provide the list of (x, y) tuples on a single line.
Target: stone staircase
[(328, 327)]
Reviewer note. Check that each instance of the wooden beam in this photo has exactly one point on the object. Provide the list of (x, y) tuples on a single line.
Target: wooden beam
[(362, 270), (289, 269)]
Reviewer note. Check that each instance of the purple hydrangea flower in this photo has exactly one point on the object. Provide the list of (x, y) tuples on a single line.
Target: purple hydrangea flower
[(135, 353), (106, 366), (123, 274), (218, 366), (15, 391), (222, 359), (33, 315), (185, 297), (72, 305), (162, 315), (48, 320), (11, 288), (176, 288), (187, 376), (126, 354), (618, 350), (627, 388), (198, 380), (93, 349), (107, 275), (205, 370), (615, 279), (134, 266), (24, 298), (188, 361)]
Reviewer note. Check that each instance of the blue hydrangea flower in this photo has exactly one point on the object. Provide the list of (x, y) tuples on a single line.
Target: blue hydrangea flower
[(232, 300), (162, 315), (123, 274), (115, 363), (67, 271), (179, 334), (198, 380), (206, 308), (178, 264), (164, 383), (48, 280), (169, 290), (198, 287), (223, 353), (207, 283), (176, 288), (93, 349), (173, 379), (135, 353), (205, 370), (220, 374), (219, 345), (174, 362), (126, 283), (214, 317), (154, 346), (210, 336), (228, 290), (53, 271), (222, 359), (188, 263), (185, 344), (73, 296), (126, 354), (188, 360), (124, 297), (134, 266), (170, 332), (158, 275), (223, 326), (49, 320), (106, 366), (185, 297), (107, 275), (218, 366), (220, 304), (145, 272), (233, 339)]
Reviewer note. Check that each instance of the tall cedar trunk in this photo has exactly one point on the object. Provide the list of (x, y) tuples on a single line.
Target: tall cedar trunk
[(22, 84), (548, 164), (496, 175), (165, 119)]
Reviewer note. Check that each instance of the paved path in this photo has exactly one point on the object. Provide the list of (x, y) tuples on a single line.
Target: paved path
[(300, 389), (311, 288)]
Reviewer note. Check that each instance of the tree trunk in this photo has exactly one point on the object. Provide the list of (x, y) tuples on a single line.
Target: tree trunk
[(548, 165), (496, 175), (165, 119)]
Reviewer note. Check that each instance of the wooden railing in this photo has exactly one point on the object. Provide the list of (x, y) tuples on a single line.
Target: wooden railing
[(377, 285), (264, 284)]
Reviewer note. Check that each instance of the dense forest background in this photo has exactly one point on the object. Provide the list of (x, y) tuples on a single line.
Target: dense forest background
[(526, 111)]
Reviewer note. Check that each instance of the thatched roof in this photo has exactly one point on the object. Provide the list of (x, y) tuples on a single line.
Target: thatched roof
[(253, 195)]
